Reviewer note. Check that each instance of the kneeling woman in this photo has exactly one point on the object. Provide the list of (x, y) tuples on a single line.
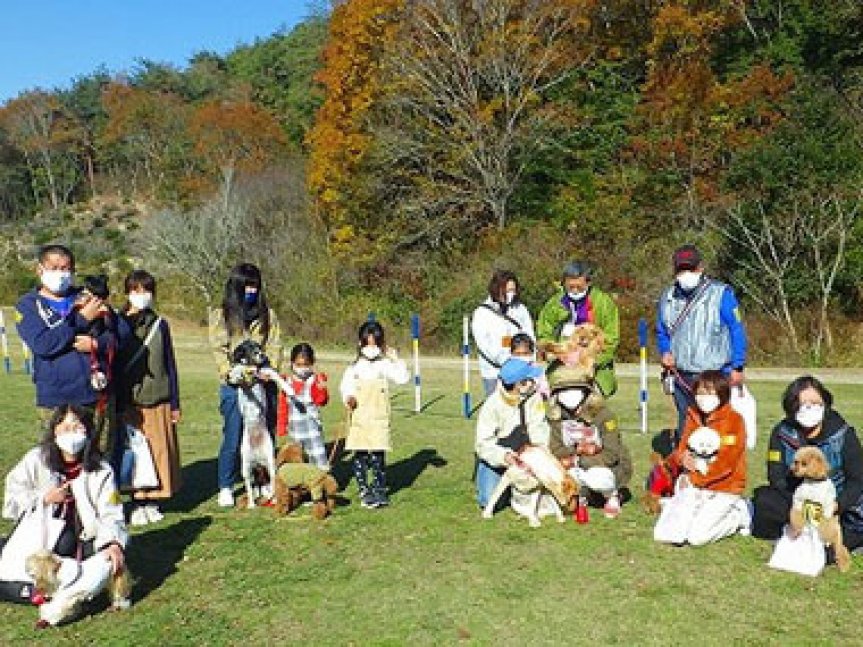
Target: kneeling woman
[(66, 473), (707, 505)]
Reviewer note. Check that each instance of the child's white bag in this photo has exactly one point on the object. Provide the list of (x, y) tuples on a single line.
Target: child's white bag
[(803, 554), (744, 403)]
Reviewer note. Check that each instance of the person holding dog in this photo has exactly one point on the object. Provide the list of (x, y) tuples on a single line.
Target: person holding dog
[(512, 416), (586, 438), (244, 315), (66, 477), (71, 355), (810, 420), (578, 301), (707, 504), (149, 392), (698, 328), (495, 322)]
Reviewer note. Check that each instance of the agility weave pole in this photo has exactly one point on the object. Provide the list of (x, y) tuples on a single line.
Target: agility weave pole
[(642, 342), (465, 353), (7, 363), (415, 335)]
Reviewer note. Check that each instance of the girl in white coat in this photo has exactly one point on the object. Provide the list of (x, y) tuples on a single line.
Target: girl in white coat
[(66, 477), (495, 322), (365, 392)]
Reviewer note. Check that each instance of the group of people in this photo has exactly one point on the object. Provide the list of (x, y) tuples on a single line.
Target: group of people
[(99, 371), (702, 344)]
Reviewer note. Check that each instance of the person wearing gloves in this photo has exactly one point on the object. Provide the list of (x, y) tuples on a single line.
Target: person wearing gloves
[(66, 478), (495, 322), (585, 437), (366, 394), (576, 302), (513, 415)]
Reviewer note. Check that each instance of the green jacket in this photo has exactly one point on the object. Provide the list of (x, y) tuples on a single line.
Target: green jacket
[(602, 312)]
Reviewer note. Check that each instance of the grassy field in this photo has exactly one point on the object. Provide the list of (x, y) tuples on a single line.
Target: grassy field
[(428, 570)]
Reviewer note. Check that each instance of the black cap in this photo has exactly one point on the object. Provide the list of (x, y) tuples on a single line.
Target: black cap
[(686, 258)]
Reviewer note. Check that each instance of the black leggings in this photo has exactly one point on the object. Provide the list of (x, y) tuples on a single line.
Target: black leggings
[(362, 461)]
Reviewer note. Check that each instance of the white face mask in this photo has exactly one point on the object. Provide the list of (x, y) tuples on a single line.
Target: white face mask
[(370, 352), (688, 280), (570, 399), (577, 296), (810, 415), (140, 300), (71, 443), (56, 281), (707, 402), (303, 372)]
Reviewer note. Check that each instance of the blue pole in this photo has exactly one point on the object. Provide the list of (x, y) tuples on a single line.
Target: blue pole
[(642, 342), (415, 334)]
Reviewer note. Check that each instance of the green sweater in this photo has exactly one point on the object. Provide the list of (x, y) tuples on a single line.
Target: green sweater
[(602, 312)]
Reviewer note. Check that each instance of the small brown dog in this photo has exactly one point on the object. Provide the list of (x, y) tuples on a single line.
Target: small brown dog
[(580, 349), (296, 479), (815, 502)]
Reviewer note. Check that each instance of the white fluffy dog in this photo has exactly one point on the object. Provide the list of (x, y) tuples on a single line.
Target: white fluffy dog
[(536, 473), (703, 445)]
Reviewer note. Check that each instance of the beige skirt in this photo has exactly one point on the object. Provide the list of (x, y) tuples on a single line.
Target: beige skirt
[(161, 433)]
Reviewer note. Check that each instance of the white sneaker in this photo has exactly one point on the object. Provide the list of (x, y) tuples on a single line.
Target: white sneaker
[(154, 515), (226, 498), (139, 517)]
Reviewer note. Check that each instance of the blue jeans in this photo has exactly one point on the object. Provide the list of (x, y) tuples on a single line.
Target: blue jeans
[(487, 478), (232, 430)]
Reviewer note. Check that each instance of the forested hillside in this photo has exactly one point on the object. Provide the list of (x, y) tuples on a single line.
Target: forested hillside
[(387, 155)]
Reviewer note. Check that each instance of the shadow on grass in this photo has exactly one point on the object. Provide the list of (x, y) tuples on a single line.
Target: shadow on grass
[(153, 555), (400, 474), (199, 484)]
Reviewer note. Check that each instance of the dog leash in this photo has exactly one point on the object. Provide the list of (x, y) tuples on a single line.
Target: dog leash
[(346, 424)]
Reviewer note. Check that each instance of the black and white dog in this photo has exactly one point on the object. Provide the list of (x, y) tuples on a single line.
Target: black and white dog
[(257, 453)]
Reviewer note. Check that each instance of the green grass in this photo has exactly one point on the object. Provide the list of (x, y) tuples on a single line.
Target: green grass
[(428, 570)]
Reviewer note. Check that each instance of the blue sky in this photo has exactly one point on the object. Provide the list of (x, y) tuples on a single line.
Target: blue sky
[(46, 43)]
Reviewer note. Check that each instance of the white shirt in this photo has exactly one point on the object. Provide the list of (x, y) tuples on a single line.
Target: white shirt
[(394, 370), (492, 334)]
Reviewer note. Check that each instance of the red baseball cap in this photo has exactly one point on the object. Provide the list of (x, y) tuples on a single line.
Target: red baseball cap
[(686, 258)]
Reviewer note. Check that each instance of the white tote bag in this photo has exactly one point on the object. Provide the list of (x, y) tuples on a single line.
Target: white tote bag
[(137, 470), (743, 402), (36, 529), (803, 554)]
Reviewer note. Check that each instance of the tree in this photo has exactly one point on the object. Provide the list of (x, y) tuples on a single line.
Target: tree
[(232, 136), (46, 135), (467, 105), (150, 129), (339, 139)]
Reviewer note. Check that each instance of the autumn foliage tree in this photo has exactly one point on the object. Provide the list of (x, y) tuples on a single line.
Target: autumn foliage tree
[(359, 30), (235, 136), (47, 135)]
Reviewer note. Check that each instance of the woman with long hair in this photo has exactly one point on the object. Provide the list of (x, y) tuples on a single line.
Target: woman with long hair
[(244, 315)]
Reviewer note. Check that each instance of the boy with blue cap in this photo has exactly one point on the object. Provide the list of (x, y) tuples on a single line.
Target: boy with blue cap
[(512, 416)]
